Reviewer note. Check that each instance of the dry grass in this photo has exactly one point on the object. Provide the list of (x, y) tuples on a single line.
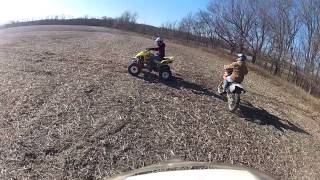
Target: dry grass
[(71, 111)]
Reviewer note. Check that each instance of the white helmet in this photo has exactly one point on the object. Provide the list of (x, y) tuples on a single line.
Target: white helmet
[(159, 39), (241, 57)]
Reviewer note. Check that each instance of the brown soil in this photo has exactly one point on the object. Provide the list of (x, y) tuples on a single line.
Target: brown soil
[(70, 110)]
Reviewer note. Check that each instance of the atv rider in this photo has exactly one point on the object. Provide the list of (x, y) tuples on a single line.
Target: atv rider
[(239, 70), (161, 52)]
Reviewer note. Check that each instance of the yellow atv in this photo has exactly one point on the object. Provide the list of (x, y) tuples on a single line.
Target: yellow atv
[(141, 60)]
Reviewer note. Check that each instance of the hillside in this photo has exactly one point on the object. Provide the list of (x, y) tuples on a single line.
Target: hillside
[(70, 110)]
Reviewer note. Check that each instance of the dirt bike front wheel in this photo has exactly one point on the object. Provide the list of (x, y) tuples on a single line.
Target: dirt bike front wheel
[(220, 88), (233, 101)]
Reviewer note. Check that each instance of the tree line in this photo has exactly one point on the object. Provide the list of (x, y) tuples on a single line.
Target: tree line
[(281, 36)]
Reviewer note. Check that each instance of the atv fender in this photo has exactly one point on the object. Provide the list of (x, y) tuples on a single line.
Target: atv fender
[(165, 67)]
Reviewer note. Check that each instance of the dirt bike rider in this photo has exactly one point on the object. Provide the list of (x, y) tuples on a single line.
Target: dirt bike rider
[(239, 70), (161, 52)]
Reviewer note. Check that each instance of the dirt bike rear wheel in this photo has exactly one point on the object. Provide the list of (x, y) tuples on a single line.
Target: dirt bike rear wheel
[(233, 101)]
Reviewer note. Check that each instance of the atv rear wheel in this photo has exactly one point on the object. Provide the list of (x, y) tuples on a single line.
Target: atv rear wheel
[(134, 69), (165, 74)]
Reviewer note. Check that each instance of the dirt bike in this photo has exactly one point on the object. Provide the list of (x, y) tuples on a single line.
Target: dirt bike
[(140, 61), (233, 92)]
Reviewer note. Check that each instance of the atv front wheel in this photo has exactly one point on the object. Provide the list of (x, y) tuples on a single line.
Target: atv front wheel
[(134, 69), (165, 74)]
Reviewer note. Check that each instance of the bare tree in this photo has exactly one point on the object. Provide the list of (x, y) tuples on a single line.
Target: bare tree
[(128, 17), (284, 25), (198, 29), (170, 25), (310, 41), (186, 24), (221, 28), (257, 37), (207, 25), (234, 21), (170, 28), (318, 71)]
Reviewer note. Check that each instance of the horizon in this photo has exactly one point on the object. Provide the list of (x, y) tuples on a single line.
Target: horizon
[(168, 11)]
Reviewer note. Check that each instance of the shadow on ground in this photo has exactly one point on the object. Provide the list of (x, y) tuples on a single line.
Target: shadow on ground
[(246, 110), (261, 116), (180, 84)]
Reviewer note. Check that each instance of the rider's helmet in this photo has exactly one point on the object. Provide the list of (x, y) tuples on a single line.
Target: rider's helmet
[(241, 57), (159, 40)]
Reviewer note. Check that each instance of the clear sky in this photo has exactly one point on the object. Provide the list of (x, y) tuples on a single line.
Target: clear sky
[(153, 12)]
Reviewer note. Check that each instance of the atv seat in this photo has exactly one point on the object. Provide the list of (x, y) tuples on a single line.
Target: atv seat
[(165, 60)]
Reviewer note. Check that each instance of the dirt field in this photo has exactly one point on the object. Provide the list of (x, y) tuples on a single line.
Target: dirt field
[(70, 110)]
